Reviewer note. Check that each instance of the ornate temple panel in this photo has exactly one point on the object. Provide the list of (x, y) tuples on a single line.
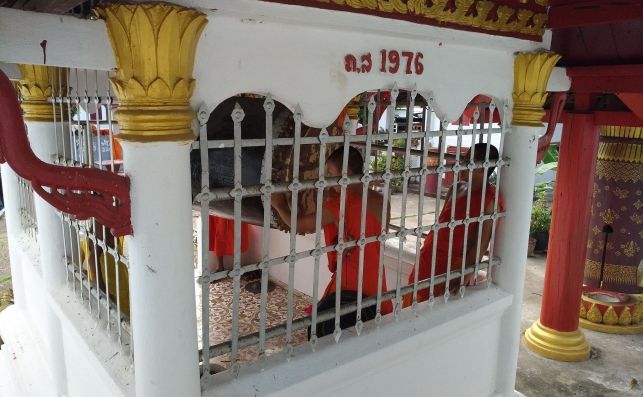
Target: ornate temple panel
[(617, 203)]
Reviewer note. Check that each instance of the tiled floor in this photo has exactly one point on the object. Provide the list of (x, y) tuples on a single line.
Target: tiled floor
[(220, 313), (276, 313)]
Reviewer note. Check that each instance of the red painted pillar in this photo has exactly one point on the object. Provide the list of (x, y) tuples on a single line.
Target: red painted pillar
[(570, 223), (556, 334)]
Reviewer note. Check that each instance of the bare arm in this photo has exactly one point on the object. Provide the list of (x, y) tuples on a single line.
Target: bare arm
[(305, 224), (472, 242)]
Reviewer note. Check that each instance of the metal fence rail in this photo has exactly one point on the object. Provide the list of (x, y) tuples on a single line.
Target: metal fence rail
[(27, 209), (462, 268), (96, 262)]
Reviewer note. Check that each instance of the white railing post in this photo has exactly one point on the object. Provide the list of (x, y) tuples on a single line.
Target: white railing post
[(37, 81), (12, 217), (163, 306), (154, 85), (531, 73), (513, 235)]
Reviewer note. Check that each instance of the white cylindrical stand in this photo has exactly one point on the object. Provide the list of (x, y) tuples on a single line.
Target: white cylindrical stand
[(517, 187), (50, 240), (161, 269)]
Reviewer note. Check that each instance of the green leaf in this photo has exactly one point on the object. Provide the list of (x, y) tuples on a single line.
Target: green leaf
[(544, 168), (552, 154)]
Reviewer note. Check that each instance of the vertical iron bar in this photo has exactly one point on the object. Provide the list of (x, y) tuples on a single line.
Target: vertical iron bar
[(204, 239), (410, 112), (362, 236), (418, 232), (237, 117), (340, 234), (321, 183), (470, 169), (484, 189), (438, 196), (454, 198), (492, 108), (385, 201), (269, 107), (294, 188), (109, 124)]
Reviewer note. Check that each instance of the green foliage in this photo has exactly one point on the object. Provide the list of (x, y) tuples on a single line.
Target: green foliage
[(550, 161), (6, 296), (397, 164), (542, 189), (552, 155), (540, 215), (6, 299)]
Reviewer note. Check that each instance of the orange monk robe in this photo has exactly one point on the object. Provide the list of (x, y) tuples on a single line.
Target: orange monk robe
[(350, 257), (222, 236), (442, 249)]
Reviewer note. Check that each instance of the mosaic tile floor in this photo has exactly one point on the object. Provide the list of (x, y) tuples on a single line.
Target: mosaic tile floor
[(276, 311)]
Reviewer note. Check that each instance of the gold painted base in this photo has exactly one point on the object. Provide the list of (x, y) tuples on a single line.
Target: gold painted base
[(561, 346), (612, 329)]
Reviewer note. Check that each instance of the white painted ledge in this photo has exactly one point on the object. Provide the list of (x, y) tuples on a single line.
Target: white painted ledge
[(71, 42), (407, 357), (26, 363), (94, 362)]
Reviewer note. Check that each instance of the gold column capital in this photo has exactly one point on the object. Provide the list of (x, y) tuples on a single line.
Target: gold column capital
[(37, 84), (154, 45), (531, 74)]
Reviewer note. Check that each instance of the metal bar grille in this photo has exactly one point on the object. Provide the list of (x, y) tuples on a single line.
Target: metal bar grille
[(96, 262), (459, 215), (27, 209)]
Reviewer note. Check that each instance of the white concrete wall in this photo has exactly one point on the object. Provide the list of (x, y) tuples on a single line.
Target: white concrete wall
[(304, 269), (449, 350), (276, 60), (95, 363)]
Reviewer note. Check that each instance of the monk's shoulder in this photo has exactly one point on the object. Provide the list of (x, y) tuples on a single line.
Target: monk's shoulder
[(375, 195), (375, 200)]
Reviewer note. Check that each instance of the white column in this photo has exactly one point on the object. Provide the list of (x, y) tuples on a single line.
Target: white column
[(14, 228), (517, 187), (161, 270), (50, 240)]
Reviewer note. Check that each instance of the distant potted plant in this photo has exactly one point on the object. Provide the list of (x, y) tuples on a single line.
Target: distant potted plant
[(378, 165), (540, 223)]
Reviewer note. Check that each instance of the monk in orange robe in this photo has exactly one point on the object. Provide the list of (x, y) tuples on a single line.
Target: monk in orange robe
[(352, 228), (442, 249), (221, 240)]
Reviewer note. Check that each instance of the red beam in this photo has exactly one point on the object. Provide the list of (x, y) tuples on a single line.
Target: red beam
[(624, 119), (569, 223), (634, 102), (593, 12), (606, 79)]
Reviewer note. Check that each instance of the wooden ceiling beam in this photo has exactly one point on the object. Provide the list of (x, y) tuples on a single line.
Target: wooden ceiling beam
[(49, 6), (593, 12), (606, 79)]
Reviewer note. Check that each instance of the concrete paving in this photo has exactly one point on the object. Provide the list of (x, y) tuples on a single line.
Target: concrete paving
[(615, 367)]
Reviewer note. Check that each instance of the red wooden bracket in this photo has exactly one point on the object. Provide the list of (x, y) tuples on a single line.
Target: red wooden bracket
[(82, 192), (555, 112)]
